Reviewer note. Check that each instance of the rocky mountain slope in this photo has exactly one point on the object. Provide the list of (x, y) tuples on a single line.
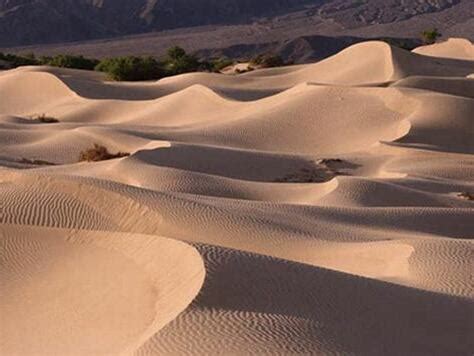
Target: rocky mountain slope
[(26, 22)]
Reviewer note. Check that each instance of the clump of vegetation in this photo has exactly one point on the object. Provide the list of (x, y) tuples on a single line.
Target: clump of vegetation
[(306, 175), (70, 61), (36, 162), (268, 61), (325, 170), (44, 119), (131, 68), (179, 62), (99, 153), (242, 71), (466, 195), (220, 63), (136, 68), (15, 61), (430, 36)]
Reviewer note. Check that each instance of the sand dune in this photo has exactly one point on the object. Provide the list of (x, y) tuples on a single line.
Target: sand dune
[(316, 209), (458, 48), (85, 281)]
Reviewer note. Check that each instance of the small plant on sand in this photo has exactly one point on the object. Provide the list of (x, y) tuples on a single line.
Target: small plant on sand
[(220, 63), (306, 175), (179, 62), (131, 68), (430, 36), (268, 61), (246, 70), (44, 119), (36, 162), (466, 195), (70, 61), (325, 170), (99, 153)]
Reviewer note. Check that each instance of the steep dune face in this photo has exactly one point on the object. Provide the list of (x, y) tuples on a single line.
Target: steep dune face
[(329, 209)]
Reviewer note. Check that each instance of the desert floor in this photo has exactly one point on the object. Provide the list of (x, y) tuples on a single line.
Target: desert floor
[(316, 209)]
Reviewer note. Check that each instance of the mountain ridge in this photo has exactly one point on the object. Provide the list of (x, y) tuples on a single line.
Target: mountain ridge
[(29, 22)]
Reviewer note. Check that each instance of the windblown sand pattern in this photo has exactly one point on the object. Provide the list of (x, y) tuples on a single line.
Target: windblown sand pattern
[(315, 209)]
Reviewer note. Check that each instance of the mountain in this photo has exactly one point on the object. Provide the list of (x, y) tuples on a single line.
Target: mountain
[(45, 21), (29, 22)]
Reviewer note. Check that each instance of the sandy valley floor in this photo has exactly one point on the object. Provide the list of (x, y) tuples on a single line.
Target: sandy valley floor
[(317, 209)]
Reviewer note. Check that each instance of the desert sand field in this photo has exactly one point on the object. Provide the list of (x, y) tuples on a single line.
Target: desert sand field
[(322, 209)]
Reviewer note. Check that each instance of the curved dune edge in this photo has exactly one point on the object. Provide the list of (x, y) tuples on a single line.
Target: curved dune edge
[(377, 253), (456, 48), (89, 292), (263, 305), (370, 63)]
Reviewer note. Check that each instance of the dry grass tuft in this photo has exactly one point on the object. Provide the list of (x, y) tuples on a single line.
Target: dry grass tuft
[(36, 162), (466, 195), (99, 153), (306, 175), (325, 170), (44, 119)]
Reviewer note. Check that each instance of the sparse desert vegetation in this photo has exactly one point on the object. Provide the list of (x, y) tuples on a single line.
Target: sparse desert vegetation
[(430, 36), (99, 153), (268, 61), (44, 119), (325, 170), (131, 68), (306, 175), (139, 68), (466, 195), (36, 162), (70, 61)]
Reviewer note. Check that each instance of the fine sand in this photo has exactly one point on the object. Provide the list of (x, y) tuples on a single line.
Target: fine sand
[(317, 209)]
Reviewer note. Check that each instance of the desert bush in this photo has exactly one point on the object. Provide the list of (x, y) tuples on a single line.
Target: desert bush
[(99, 153), (36, 162), (268, 61), (44, 119), (430, 36), (70, 61), (306, 175), (14, 60), (220, 63), (242, 71), (466, 195), (325, 170), (131, 68), (179, 62)]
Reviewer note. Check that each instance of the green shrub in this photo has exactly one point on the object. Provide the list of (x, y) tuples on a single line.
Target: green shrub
[(16, 61), (70, 61), (268, 61), (179, 62), (131, 68), (218, 64), (430, 36)]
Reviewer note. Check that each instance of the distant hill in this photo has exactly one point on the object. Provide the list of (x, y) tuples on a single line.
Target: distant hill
[(303, 49), (44, 21), (26, 22)]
